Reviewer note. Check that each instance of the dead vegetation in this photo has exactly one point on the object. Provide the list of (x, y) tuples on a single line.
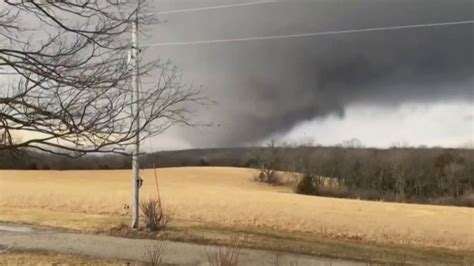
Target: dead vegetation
[(154, 253), (153, 214), (152, 210), (204, 195), (402, 175), (278, 261), (225, 255), (269, 160), (47, 258)]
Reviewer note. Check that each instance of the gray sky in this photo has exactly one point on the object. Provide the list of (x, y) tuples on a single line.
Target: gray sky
[(412, 85), (329, 88)]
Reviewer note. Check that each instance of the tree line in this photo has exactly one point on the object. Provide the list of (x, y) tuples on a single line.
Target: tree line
[(443, 176), (424, 175)]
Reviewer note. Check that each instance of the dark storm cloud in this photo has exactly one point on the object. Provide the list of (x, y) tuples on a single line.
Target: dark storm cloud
[(267, 87)]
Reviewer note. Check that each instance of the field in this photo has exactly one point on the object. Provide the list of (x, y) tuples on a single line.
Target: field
[(229, 198)]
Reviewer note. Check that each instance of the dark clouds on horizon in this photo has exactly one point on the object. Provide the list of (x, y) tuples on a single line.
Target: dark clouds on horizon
[(267, 87)]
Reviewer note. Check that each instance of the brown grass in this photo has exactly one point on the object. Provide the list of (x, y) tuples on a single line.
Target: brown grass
[(40, 258), (228, 197)]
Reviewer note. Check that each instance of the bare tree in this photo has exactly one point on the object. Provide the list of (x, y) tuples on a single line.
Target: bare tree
[(68, 83), (270, 160), (353, 143)]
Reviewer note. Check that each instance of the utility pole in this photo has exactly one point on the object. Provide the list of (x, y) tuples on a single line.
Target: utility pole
[(136, 180)]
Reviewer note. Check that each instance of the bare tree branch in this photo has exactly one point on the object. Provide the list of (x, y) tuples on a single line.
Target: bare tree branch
[(71, 89)]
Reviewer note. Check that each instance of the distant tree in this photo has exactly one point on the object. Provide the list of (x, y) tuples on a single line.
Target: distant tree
[(353, 143), (400, 145), (270, 159)]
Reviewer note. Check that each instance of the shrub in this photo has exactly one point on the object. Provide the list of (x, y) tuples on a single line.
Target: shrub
[(306, 185), (268, 176), (154, 253), (309, 185), (224, 256), (269, 160), (155, 217)]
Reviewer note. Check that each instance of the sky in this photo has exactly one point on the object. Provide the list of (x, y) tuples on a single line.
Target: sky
[(413, 85)]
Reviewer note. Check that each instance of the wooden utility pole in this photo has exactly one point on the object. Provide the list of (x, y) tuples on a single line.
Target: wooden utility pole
[(136, 180)]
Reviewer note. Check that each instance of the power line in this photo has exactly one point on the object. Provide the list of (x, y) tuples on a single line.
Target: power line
[(275, 37), (215, 7)]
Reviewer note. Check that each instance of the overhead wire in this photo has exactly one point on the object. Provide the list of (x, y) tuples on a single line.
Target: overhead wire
[(216, 7), (311, 34)]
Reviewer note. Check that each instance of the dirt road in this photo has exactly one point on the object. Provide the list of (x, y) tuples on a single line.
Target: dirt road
[(26, 238)]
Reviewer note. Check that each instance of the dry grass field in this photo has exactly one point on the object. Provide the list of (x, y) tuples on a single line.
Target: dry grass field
[(228, 197)]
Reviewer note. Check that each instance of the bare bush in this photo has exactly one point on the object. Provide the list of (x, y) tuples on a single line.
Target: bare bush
[(269, 160), (155, 217), (224, 256), (269, 176), (306, 186), (154, 253)]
